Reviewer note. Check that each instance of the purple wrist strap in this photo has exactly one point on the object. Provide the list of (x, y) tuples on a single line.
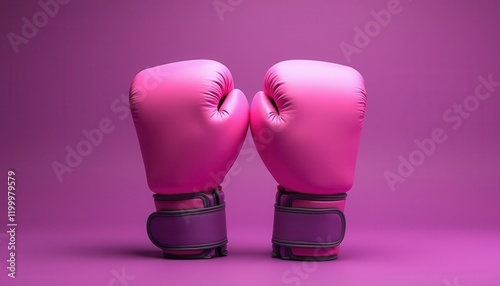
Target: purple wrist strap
[(299, 227), (180, 232), (194, 229), (303, 227)]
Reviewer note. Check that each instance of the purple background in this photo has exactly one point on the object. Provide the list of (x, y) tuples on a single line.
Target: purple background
[(441, 226)]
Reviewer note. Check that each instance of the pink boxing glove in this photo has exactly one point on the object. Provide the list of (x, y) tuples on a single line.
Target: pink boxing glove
[(191, 124), (306, 125)]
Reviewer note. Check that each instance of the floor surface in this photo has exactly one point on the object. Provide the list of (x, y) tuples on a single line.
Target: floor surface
[(110, 256)]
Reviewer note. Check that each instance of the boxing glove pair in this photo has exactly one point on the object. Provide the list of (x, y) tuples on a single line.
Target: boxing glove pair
[(191, 123)]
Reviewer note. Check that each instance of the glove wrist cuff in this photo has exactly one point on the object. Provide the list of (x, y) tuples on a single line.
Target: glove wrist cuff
[(192, 226), (308, 226)]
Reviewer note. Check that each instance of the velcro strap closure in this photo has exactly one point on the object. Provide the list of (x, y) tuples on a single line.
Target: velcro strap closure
[(302, 227), (192, 229)]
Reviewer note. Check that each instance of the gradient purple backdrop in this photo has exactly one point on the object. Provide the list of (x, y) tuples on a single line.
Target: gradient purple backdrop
[(441, 226)]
